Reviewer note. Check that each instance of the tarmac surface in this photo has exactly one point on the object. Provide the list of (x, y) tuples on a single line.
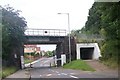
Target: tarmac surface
[(41, 69)]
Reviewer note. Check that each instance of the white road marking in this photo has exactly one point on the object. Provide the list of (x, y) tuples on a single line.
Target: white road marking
[(52, 70), (35, 61), (72, 73), (57, 72), (63, 73), (46, 61), (89, 73), (49, 75), (73, 76)]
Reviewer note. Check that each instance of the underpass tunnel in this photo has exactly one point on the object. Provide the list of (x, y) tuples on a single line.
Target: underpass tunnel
[(86, 53)]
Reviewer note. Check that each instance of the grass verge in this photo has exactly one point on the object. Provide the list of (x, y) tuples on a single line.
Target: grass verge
[(79, 65), (0, 74), (7, 71), (27, 61)]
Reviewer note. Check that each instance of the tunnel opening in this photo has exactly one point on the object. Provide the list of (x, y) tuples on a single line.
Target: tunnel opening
[(86, 53)]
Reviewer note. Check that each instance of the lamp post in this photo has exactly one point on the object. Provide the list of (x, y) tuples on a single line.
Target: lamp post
[(68, 34)]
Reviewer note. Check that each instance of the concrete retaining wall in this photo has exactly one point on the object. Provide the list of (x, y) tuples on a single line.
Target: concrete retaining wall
[(96, 52)]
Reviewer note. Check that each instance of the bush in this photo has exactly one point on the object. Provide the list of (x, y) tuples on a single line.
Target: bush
[(109, 53)]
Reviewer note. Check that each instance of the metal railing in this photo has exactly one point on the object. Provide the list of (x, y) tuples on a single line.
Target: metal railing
[(45, 32)]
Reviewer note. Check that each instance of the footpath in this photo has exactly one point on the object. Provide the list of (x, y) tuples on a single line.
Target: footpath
[(21, 74), (101, 68)]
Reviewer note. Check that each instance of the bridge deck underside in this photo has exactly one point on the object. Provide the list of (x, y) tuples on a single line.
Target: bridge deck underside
[(60, 41), (44, 39)]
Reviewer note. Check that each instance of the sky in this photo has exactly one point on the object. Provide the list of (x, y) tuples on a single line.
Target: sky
[(43, 14), (47, 47)]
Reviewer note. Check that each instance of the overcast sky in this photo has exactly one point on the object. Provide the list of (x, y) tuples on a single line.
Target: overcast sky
[(43, 13)]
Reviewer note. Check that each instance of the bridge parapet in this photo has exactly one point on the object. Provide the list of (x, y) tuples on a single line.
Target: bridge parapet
[(45, 32)]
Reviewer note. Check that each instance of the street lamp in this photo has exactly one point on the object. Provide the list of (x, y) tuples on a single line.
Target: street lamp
[(68, 33)]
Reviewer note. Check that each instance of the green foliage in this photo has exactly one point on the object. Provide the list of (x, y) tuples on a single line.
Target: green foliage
[(93, 25), (103, 27), (49, 53), (8, 70), (110, 50), (12, 31), (33, 54), (102, 32), (111, 63), (78, 64), (27, 60), (0, 39), (104, 19)]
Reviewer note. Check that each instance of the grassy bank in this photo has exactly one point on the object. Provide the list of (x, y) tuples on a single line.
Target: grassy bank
[(111, 63), (7, 71), (79, 65)]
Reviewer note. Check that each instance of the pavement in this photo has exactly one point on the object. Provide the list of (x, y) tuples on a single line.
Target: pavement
[(21, 74), (100, 67)]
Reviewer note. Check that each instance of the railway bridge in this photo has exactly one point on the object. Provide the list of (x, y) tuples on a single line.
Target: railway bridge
[(52, 36)]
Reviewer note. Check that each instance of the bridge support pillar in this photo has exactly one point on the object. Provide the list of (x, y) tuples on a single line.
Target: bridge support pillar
[(59, 51), (22, 66), (66, 48)]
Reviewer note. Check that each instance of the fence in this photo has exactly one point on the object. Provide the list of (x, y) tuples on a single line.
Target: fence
[(45, 32)]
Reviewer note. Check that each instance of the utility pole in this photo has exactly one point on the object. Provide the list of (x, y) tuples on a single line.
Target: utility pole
[(68, 35)]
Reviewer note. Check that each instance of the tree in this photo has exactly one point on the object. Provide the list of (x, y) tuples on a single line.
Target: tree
[(110, 21), (93, 24), (12, 33), (104, 19), (49, 53)]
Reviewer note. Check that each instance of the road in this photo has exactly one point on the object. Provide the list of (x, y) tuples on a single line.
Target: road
[(42, 69), (43, 62)]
